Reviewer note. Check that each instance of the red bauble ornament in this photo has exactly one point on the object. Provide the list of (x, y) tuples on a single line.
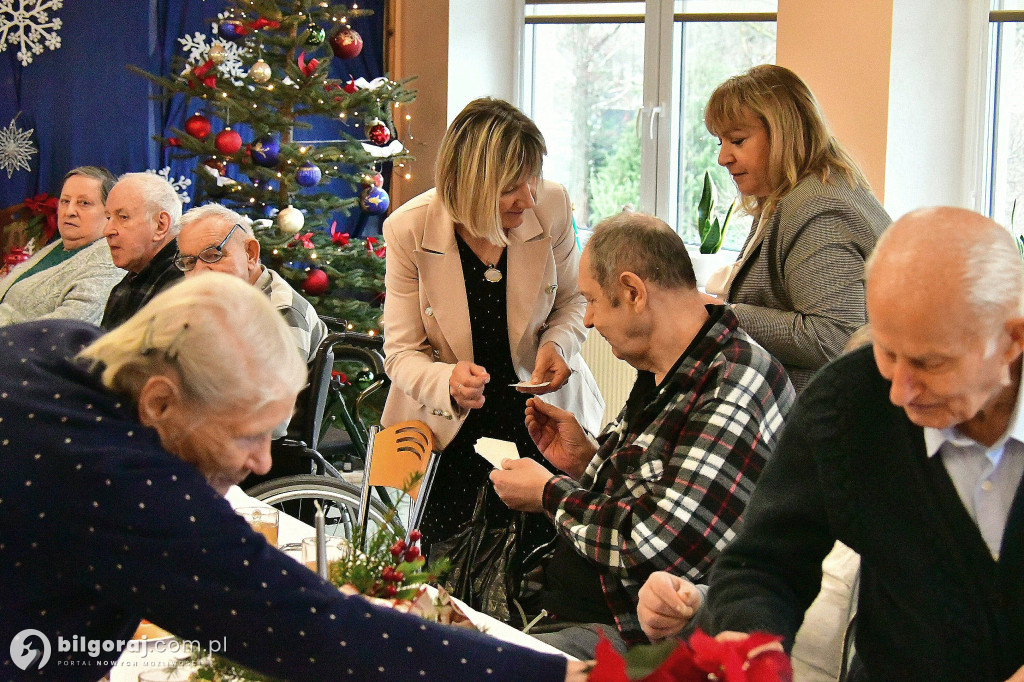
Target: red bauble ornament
[(316, 283), (374, 179), (346, 44), (228, 142), (198, 126), (378, 133)]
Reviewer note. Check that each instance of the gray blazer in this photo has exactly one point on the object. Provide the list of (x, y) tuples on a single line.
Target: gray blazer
[(800, 291), (74, 289)]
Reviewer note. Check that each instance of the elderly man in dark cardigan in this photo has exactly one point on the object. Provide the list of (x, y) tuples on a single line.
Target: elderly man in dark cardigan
[(910, 451)]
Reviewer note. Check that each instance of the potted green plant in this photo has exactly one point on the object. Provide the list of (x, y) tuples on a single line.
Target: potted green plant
[(711, 232)]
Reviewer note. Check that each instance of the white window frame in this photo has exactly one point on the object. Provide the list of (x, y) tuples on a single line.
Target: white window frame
[(659, 174)]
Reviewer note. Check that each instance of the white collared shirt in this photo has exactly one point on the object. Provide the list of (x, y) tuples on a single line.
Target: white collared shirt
[(986, 478)]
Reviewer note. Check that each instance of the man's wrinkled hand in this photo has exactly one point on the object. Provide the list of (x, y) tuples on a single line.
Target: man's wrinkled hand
[(520, 484), (559, 437), (666, 604)]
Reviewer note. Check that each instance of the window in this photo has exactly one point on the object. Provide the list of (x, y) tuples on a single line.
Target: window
[(1004, 165), (618, 89)]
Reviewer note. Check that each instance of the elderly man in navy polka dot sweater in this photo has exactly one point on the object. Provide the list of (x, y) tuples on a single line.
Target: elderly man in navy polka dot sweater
[(114, 461)]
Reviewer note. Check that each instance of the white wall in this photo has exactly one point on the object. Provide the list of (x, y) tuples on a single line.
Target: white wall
[(483, 51), (933, 94)]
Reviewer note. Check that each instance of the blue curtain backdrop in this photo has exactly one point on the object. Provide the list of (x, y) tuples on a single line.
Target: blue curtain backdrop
[(87, 108)]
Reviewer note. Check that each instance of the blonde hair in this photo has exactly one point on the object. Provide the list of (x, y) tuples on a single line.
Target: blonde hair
[(219, 336), (799, 140), (489, 147)]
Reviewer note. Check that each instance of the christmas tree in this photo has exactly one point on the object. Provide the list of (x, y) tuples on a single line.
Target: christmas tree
[(264, 78)]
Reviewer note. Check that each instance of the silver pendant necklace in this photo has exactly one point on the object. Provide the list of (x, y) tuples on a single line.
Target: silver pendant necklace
[(492, 274)]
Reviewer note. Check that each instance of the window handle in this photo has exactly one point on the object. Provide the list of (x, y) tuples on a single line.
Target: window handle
[(654, 112)]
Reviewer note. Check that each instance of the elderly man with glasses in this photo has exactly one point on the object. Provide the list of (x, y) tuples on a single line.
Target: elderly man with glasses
[(216, 239)]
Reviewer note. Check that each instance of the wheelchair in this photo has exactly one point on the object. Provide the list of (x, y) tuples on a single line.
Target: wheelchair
[(306, 467)]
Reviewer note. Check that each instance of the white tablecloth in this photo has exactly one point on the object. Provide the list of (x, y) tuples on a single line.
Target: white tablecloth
[(291, 530)]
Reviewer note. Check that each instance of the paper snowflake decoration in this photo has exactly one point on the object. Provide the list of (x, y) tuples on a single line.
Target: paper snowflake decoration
[(27, 25), (180, 185), (196, 47), (16, 148)]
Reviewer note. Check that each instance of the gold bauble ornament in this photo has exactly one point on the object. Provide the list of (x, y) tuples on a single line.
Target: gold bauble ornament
[(217, 53), (260, 71)]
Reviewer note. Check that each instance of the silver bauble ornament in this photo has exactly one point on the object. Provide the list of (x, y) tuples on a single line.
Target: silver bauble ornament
[(290, 220)]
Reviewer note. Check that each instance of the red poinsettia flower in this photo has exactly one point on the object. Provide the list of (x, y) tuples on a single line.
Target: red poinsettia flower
[(340, 238), (750, 659), (44, 206)]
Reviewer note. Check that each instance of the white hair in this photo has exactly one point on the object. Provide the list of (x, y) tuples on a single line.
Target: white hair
[(205, 211), (158, 194), (994, 276), (220, 336)]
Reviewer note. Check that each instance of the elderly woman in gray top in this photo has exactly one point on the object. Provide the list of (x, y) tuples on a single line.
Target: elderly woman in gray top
[(798, 286), (72, 277)]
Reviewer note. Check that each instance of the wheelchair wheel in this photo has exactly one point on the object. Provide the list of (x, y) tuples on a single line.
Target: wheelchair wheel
[(294, 495)]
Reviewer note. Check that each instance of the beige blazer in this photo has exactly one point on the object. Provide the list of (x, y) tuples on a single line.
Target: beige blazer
[(426, 312)]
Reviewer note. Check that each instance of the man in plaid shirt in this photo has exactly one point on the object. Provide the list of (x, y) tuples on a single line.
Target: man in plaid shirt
[(665, 485)]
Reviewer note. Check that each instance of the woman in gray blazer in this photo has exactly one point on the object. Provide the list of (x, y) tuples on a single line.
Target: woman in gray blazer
[(73, 276), (798, 286)]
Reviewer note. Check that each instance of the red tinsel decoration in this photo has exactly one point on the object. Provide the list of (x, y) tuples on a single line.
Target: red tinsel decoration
[(339, 238), (199, 74), (264, 23), (307, 69), (304, 239)]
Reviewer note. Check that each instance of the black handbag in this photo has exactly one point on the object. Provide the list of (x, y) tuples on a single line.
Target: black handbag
[(482, 558)]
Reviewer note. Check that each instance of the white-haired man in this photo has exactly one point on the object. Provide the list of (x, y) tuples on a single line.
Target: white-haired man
[(910, 451), (115, 459), (143, 210), (214, 238)]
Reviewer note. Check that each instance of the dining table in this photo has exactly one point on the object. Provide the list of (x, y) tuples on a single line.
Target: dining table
[(160, 653)]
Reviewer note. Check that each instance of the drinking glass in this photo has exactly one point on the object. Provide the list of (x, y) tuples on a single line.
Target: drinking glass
[(263, 520)]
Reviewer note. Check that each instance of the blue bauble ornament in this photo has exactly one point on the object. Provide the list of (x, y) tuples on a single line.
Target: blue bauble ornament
[(308, 174), (374, 200), (231, 29), (265, 151)]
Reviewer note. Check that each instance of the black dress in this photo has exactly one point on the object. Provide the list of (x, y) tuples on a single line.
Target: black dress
[(461, 471)]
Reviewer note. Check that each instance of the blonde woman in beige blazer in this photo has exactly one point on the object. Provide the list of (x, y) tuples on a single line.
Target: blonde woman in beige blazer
[(482, 293)]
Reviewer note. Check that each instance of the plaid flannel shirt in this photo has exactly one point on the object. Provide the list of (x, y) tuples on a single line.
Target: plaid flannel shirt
[(666, 489)]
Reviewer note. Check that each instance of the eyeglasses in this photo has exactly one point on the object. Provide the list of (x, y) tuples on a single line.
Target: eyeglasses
[(210, 254)]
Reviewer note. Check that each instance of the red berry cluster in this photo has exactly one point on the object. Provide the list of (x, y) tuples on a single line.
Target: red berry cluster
[(391, 578), (406, 552)]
